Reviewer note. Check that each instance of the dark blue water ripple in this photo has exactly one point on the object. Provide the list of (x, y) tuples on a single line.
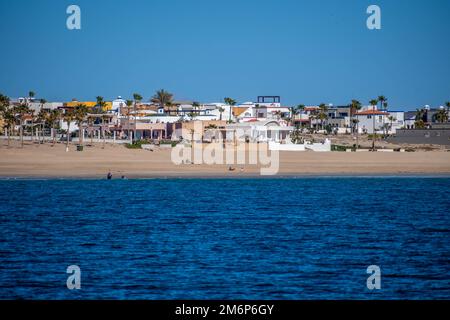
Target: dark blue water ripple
[(225, 238)]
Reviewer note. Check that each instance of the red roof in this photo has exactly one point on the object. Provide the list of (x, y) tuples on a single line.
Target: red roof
[(371, 112)]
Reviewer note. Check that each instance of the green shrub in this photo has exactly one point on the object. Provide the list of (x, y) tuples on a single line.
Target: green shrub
[(136, 144), (336, 147)]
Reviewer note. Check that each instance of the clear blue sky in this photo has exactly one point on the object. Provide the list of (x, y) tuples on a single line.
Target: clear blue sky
[(305, 51)]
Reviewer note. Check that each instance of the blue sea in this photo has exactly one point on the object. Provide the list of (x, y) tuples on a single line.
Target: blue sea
[(285, 238)]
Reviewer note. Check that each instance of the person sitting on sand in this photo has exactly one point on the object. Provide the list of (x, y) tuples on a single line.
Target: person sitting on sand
[(109, 176), (230, 168)]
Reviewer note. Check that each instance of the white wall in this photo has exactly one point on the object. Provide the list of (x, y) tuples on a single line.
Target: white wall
[(73, 126), (366, 124), (275, 146)]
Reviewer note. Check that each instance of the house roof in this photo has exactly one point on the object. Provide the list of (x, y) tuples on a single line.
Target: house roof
[(371, 112), (237, 111), (311, 108)]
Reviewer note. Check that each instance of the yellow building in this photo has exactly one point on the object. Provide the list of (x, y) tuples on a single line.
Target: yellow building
[(89, 104)]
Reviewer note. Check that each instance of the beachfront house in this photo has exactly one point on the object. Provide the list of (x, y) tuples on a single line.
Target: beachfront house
[(198, 130), (395, 121), (118, 104), (265, 108), (371, 120), (259, 131), (338, 118)]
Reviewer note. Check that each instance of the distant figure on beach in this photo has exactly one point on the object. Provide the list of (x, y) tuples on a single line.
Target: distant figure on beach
[(109, 176), (123, 177), (230, 168)]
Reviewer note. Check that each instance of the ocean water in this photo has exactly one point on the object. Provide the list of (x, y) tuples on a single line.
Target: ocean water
[(287, 238)]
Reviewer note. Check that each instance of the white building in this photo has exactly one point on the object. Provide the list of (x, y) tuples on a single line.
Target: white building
[(220, 111), (396, 122), (259, 131), (36, 105), (118, 104), (390, 120), (367, 119)]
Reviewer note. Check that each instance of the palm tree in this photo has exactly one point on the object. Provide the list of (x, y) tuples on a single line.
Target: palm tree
[(278, 114), (196, 105), (42, 119), (391, 120), (383, 106), (355, 106), (230, 102), (42, 102), (295, 111), (322, 114), (20, 112), (54, 116), (355, 123), (314, 115), (90, 122), (221, 110), (98, 109), (420, 124), (31, 95), (447, 104), (192, 142), (373, 103), (33, 117), (69, 116), (137, 99), (41, 116), (104, 118), (6, 114), (420, 115), (10, 121), (256, 110), (80, 113), (442, 116), (129, 103), (162, 98), (4, 102), (100, 106), (192, 115)]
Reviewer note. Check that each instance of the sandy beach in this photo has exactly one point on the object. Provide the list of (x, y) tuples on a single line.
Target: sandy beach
[(46, 160)]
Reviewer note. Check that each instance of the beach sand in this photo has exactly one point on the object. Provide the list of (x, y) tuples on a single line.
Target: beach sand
[(45, 160)]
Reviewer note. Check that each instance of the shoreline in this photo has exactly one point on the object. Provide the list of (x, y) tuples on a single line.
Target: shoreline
[(52, 162), (224, 177)]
